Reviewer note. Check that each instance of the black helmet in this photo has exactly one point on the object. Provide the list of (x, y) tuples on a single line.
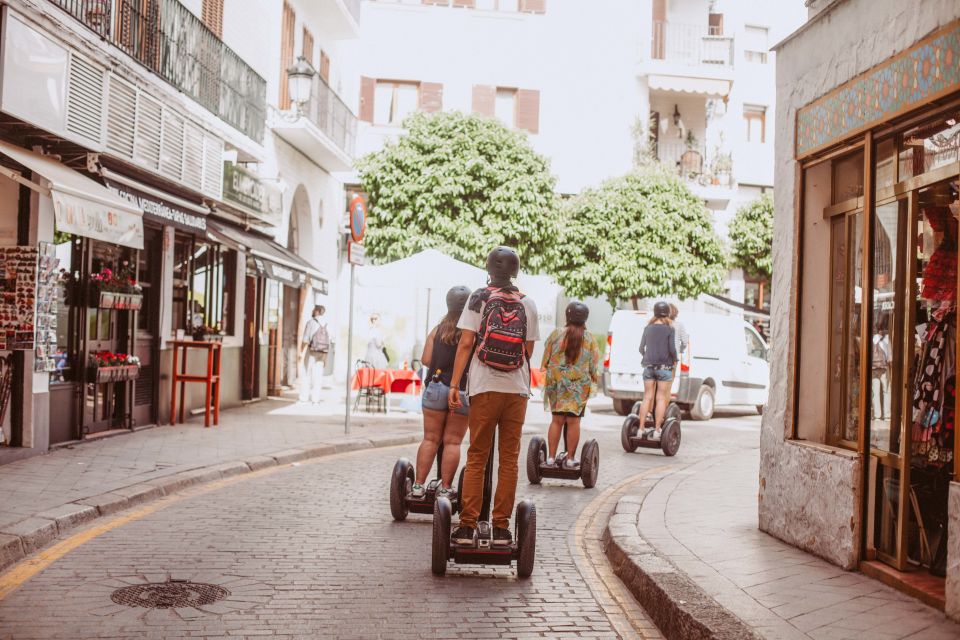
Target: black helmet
[(661, 310), (577, 312), (503, 262), (457, 300)]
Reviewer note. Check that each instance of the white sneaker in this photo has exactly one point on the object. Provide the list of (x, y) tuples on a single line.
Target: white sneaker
[(551, 462), (571, 463)]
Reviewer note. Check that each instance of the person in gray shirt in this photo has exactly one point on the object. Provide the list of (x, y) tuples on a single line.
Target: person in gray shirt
[(659, 349)]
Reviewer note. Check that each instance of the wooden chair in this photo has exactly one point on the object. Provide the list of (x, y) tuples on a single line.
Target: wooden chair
[(374, 399)]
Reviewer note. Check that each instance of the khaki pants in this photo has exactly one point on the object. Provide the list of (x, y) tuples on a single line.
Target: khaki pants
[(487, 410)]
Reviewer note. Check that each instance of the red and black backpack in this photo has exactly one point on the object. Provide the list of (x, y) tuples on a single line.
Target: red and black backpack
[(503, 329)]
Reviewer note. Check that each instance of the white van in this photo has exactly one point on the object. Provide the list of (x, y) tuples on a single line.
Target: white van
[(724, 364)]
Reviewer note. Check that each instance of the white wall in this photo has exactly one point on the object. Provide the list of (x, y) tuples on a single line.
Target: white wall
[(579, 55)]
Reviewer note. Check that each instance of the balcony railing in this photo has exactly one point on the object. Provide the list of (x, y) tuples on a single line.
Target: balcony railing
[(168, 39), (332, 116), (691, 163), (691, 44)]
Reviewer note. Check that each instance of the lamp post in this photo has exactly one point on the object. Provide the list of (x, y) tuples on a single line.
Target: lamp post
[(300, 83)]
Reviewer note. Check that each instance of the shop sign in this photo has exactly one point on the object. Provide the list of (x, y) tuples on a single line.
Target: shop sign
[(248, 190), (161, 211), (92, 219), (285, 275), (356, 253)]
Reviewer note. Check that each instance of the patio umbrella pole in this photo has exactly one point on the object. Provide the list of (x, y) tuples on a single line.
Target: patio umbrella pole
[(346, 421)]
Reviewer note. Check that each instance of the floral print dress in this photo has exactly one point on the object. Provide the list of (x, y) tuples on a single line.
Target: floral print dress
[(568, 387)]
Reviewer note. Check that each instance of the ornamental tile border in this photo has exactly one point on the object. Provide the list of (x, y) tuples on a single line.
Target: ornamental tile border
[(929, 69)]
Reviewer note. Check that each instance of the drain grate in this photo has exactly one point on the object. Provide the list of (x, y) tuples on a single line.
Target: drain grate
[(169, 595)]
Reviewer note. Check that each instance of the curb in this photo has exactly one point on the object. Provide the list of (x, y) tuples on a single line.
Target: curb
[(680, 608), (19, 540)]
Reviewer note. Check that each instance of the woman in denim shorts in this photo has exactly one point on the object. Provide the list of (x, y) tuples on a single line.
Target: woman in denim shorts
[(659, 350)]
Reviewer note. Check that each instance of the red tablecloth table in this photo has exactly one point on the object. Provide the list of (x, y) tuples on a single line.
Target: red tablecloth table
[(390, 380)]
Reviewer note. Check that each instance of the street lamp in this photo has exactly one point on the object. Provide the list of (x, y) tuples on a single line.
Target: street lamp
[(300, 82)]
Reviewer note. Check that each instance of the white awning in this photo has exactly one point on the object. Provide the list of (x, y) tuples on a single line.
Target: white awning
[(710, 87), (81, 205)]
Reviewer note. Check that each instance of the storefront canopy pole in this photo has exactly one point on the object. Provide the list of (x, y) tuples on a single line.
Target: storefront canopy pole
[(346, 420)]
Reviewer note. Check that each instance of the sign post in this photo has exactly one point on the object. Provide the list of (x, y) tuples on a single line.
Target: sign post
[(355, 256)]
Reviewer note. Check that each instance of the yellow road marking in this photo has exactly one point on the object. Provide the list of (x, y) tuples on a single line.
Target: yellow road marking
[(602, 581), (23, 571)]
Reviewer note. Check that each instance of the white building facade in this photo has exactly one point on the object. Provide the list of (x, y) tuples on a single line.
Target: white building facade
[(589, 81)]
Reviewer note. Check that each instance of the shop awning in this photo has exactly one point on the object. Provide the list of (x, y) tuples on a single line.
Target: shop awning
[(709, 87), (271, 258), (81, 205), (158, 206)]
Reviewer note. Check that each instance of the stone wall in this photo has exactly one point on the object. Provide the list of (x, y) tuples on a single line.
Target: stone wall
[(809, 494)]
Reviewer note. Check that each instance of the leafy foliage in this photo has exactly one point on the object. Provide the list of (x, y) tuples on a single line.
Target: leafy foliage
[(461, 184), (642, 235), (751, 233)]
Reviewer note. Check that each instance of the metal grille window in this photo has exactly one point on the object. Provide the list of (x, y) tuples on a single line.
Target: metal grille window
[(204, 284)]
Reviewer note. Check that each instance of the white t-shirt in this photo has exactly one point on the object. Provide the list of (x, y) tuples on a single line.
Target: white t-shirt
[(483, 378)]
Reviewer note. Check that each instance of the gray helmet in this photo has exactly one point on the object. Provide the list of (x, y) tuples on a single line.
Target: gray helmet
[(577, 312), (456, 300), (503, 262), (661, 310)]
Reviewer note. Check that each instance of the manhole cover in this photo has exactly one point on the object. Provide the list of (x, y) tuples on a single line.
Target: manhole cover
[(169, 595)]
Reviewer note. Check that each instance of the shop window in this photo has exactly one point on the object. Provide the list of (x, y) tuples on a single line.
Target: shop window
[(930, 146), (848, 177), (885, 175), (756, 121), (204, 284)]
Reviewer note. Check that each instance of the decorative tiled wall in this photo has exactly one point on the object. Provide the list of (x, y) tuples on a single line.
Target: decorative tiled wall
[(929, 69)]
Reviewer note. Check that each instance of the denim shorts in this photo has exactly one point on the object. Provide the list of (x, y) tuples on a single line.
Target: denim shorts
[(660, 373)]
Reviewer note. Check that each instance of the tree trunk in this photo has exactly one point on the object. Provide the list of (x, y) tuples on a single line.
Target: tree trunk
[(634, 300)]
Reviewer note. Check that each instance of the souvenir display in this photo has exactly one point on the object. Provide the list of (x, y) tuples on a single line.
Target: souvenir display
[(18, 280), (45, 330)]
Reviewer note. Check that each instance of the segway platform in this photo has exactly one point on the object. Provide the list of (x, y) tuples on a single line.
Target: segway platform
[(537, 467), (632, 436), (401, 483)]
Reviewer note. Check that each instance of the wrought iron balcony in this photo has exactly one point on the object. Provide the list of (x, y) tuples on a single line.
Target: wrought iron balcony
[(691, 45), (332, 116), (168, 39)]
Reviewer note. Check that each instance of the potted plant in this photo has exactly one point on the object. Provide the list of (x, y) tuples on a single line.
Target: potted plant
[(207, 333), (107, 366), (723, 167), (116, 289)]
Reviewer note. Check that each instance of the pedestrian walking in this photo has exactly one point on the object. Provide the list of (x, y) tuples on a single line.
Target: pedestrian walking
[(682, 337), (499, 326), (659, 349), (376, 353), (440, 422), (571, 357), (314, 348)]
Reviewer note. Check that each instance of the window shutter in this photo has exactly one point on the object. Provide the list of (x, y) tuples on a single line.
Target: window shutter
[(286, 53), (367, 87), (324, 66), (468, 4), (212, 15), (484, 97), (307, 45), (431, 97), (715, 20), (528, 110), (533, 6)]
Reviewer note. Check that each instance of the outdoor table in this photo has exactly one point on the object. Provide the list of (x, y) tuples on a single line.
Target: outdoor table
[(390, 380), (211, 378)]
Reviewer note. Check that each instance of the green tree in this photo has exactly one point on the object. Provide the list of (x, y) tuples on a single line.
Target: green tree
[(751, 234), (641, 235), (461, 184)]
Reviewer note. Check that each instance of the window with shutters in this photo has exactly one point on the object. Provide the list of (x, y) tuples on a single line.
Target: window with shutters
[(212, 16), (756, 121), (393, 101), (505, 106), (756, 43), (286, 52), (307, 49)]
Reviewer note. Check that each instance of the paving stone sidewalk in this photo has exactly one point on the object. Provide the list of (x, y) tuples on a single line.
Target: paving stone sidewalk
[(41, 493), (703, 521)]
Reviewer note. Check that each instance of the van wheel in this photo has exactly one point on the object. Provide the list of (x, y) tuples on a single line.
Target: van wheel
[(622, 407), (702, 408)]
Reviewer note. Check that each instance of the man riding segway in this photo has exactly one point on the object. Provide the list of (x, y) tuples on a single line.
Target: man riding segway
[(499, 326)]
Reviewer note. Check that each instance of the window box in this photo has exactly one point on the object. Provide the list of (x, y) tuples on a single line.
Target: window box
[(120, 373)]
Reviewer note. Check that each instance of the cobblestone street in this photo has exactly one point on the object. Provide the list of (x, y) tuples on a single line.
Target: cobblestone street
[(310, 550)]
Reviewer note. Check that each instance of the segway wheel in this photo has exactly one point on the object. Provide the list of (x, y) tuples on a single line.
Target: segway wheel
[(526, 537), (460, 490), (400, 483), (442, 511), (630, 428), (670, 438), (589, 463), (536, 455)]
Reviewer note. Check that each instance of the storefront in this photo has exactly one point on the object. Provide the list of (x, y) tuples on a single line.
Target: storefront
[(70, 319), (858, 448), (281, 289)]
